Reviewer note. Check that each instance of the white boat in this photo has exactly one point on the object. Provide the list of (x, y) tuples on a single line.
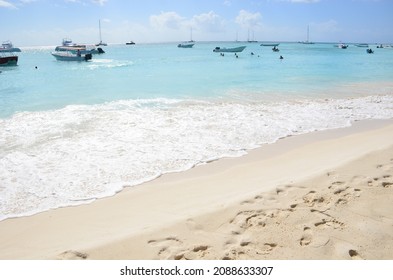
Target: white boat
[(185, 45), (68, 45), (72, 56), (363, 45), (8, 47), (100, 43), (8, 60), (234, 50), (270, 44), (188, 44), (7, 56), (341, 46), (307, 42)]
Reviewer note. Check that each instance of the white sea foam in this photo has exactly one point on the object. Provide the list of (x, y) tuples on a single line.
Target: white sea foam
[(75, 155), (98, 63)]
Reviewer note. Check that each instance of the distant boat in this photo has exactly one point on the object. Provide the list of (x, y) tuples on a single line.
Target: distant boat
[(8, 47), (235, 49), (341, 46), (270, 44), (307, 42), (7, 56), (251, 40), (8, 60), (100, 43), (185, 45), (188, 44), (72, 56), (68, 45), (130, 43), (363, 45)]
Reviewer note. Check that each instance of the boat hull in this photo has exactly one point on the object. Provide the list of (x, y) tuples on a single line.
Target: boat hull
[(9, 60), (270, 44), (186, 46), (71, 57), (233, 50)]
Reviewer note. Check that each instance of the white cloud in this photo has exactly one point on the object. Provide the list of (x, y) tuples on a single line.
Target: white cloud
[(99, 2), (248, 20), (210, 22), (6, 4), (169, 20)]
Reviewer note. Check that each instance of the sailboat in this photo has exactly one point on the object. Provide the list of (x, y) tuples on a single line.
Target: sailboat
[(251, 40), (188, 44), (100, 43), (307, 42)]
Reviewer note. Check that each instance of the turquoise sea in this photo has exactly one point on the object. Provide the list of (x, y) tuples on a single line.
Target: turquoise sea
[(72, 132)]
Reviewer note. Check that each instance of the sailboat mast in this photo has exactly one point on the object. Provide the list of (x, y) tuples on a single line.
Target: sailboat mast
[(99, 26), (308, 32)]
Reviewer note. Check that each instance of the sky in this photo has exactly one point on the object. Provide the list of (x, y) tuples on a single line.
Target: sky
[(47, 22)]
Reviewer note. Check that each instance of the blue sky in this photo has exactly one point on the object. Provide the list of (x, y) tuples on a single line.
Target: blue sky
[(47, 22)]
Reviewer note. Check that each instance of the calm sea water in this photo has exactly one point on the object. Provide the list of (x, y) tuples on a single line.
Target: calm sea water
[(72, 132)]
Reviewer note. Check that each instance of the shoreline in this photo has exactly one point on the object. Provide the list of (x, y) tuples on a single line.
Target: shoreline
[(158, 216)]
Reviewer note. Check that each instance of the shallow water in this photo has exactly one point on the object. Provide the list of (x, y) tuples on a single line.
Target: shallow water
[(72, 132)]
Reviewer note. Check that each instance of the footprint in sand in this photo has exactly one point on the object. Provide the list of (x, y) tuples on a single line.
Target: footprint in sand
[(72, 255), (354, 255), (306, 238), (384, 181), (385, 167), (193, 226), (167, 246), (195, 253), (256, 199), (333, 223), (312, 198)]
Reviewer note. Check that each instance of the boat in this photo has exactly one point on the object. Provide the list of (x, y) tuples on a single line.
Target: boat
[(270, 44), (130, 43), (363, 45), (8, 47), (8, 60), (342, 46), (185, 45), (68, 45), (307, 42), (71, 55), (188, 44), (7, 56), (100, 43), (251, 40), (234, 50)]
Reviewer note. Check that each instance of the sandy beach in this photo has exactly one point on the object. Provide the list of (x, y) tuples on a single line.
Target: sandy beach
[(323, 195)]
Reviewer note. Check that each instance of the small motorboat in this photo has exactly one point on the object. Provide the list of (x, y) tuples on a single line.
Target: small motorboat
[(7, 56), (72, 56), (234, 50), (68, 45), (342, 46), (185, 45), (270, 44)]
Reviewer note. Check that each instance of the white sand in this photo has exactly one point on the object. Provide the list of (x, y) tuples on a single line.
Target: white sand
[(324, 195)]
